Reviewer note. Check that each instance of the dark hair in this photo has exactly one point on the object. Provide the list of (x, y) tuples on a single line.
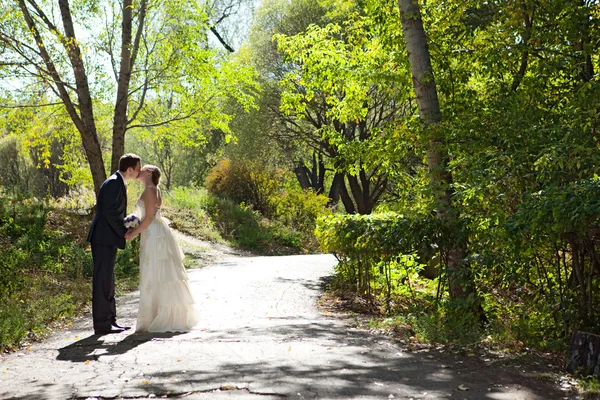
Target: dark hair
[(155, 173), (128, 161)]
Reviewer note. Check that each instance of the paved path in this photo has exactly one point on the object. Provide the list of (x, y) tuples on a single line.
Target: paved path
[(261, 336)]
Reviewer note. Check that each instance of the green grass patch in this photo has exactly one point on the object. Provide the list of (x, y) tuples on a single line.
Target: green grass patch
[(203, 215)]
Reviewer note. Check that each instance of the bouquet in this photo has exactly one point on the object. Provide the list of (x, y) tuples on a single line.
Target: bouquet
[(131, 221)]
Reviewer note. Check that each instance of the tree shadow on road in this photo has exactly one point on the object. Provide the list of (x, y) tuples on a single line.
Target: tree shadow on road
[(95, 346)]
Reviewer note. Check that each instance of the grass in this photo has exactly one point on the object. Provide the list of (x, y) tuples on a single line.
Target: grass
[(205, 216), (590, 387), (417, 316)]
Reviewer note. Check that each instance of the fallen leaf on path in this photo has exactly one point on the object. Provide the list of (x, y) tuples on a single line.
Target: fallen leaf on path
[(178, 360), (87, 362), (144, 382), (463, 387)]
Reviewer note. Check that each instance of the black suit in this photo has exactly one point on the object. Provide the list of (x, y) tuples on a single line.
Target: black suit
[(107, 233)]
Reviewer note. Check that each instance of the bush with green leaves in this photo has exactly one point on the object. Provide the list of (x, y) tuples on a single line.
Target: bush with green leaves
[(378, 251), (541, 262), (251, 183)]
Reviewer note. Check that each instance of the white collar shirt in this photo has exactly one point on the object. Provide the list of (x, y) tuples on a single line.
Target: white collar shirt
[(124, 180)]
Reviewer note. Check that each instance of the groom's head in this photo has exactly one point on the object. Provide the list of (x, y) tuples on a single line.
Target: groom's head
[(130, 165)]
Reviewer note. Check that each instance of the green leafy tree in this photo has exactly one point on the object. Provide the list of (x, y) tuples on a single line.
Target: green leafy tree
[(132, 54)]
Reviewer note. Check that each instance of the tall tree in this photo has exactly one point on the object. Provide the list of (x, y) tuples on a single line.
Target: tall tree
[(330, 98), (81, 111), (415, 37), (129, 53)]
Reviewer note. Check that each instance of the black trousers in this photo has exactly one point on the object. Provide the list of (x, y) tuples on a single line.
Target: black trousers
[(104, 310)]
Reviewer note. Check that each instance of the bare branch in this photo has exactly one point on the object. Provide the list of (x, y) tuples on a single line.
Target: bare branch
[(44, 18), (174, 119), (138, 34), (30, 105), (63, 94), (218, 36)]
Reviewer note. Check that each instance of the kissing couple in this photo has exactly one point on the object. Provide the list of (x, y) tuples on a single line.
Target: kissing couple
[(166, 302)]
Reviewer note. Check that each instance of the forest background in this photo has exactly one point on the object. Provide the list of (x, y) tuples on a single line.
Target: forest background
[(445, 151)]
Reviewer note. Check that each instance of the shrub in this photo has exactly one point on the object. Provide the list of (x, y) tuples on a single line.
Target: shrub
[(376, 250), (245, 182), (301, 208), (205, 215)]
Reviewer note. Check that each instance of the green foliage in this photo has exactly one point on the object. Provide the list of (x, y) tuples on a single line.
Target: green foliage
[(174, 93), (590, 386), (253, 184), (300, 208), (41, 274), (204, 215), (378, 253), (46, 266)]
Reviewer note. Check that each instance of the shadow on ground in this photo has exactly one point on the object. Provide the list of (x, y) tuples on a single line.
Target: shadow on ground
[(93, 347)]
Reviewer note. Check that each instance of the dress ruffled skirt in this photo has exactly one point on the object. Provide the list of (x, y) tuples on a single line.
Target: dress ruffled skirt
[(166, 301)]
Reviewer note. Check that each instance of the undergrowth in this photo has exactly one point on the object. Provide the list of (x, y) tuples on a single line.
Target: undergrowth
[(46, 267)]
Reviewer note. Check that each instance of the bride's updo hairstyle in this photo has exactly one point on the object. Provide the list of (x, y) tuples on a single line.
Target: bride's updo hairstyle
[(155, 173)]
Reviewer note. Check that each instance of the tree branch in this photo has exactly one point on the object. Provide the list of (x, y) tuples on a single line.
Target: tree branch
[(227, 47), (30, 105), (64, 95), (174, 119)]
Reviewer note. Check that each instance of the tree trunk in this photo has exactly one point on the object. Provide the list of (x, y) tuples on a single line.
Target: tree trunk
[(313, 178), (334, 191), (120, 112), (528, 21), (584, 353), (128, 54), (346, 199), (437, 157), (86, 108), (302, 175)]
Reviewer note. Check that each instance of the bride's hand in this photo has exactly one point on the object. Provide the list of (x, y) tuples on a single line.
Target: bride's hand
[(131, 234)]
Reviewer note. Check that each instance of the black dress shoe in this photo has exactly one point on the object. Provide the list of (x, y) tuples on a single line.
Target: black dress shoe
[(125, 328), (107, 331)]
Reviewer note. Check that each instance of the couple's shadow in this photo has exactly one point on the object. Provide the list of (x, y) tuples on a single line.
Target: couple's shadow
[(90, 348)]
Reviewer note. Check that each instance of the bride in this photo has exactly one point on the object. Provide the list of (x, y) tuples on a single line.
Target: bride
[(166, 302)]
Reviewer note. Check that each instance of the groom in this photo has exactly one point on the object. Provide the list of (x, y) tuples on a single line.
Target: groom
[(107, 233)]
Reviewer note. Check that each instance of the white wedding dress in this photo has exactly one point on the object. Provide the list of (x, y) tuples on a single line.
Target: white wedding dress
[(166, 302)]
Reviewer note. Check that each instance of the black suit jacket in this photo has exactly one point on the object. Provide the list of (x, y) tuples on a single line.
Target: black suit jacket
[(111, 206)]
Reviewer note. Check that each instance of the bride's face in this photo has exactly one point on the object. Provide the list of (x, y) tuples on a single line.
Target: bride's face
[(145, 175)]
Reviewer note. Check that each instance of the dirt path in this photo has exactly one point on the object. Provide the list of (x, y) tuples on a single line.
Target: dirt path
[(262, 334)]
